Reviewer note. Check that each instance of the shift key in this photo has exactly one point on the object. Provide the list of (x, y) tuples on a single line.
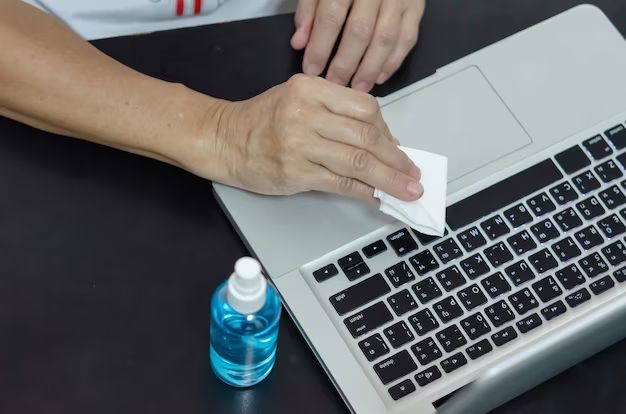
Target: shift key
[(358, 295), (368, 319)]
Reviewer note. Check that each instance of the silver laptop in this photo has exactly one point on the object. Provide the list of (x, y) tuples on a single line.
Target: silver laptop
[(531, 275)]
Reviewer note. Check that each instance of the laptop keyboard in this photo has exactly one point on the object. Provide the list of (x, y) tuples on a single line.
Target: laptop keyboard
[(515, 256)]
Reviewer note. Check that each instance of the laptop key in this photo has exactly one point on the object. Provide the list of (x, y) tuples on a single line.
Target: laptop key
[(547, 289), (448, 250), (495, 227), (612, 197), (608, 171), (448, 309), (518, 215), (349, 261), (570, 276), (398, 334), (553, 310), (451, 338), (471, 239), (475, 326), (602, 285), (499, 313), (617, 136), (523, 301), (402, 389), (395, 367), (528, 324), (426, 351), (597, 147), (426, 290), (498, 254), (356, 271), (542, 261), (568, 219), (474, 266), (586, 182), (521, 242), (427, 238), (572, 159), (399, 274), (545, 231), (495, 285), (402, 302), (566, 249), (427, 376), (454, 362), (615, 253), (564, 193), (374, 249), (402, 242), (423, 322), (472, 297), (578, 297), (504, 336), (424, 262), (519, 273), (620, 274), (611, 226), (589, 237), (450, 278), (374, 347), (541, 204), (593, 265), (325, 272), (359, 294), (590, 208), (368, 319), (479, 349)]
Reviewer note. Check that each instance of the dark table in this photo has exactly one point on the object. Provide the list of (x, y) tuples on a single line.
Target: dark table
[(108, 260)]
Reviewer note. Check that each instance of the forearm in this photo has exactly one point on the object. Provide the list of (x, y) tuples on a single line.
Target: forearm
[(53, 80)]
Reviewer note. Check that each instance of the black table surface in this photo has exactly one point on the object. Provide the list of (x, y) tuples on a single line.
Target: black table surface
[(108, 260)]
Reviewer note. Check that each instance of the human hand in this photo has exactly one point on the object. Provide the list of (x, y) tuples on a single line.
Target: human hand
[(377, 37), (310, 134)]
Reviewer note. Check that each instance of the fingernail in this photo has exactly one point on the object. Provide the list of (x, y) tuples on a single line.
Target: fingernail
[(312, 69), (382, 78), (363, 86), (414, 188)]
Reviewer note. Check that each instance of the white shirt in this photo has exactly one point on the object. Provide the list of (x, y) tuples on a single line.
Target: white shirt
[(95, 19)]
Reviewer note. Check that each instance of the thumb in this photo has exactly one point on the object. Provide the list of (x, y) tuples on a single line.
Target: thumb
[(305, 13)]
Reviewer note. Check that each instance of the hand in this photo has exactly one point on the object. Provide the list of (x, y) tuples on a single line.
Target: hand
[(377, 37), (310, 134)]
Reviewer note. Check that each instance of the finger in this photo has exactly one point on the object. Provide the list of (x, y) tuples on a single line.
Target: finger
[(360, 164), (329, 182), (356, 36), (329, 19), (383, 43), (409, 33), (304, 23)]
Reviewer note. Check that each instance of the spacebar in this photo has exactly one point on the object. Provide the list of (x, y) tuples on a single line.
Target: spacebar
[(502, 194)]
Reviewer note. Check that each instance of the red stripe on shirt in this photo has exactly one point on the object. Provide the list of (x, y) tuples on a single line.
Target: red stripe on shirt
[(197, 7), (180, 7)]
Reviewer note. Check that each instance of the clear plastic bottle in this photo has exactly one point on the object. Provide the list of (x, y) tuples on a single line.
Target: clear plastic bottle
[(245, 311)]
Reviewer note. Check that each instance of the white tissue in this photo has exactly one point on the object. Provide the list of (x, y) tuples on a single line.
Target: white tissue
[(428, 214)]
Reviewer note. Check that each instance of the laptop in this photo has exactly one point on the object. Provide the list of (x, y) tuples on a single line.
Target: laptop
[(530, 277)]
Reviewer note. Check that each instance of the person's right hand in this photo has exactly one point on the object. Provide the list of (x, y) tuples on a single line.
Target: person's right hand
[(310, 134)]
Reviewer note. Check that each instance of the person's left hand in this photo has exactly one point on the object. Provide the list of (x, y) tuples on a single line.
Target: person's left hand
[(377, 37)]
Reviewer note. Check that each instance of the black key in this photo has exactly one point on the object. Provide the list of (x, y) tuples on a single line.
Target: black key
[(590, 208), (519, 273), (612, 197), (578, 297), (427, 238), (504, 336), (529, 323), (450, 278), (402, 242), (426, 351), (521, 242), (572, 159), (611, 226), (349, 261), (402, 302), (586, 182), (427, 376), (394, 367), (325, 272), (568, 219), (451, 338), (617, 136), (494, 227), (498, 254), (503, 193), (499, 313), (615, 253), (447, 250), (570, 276), (495, 285), (518, 215), (564, 193), (608, 171), (523, 301), (423, 322), (479, 349), (542, 261), (454, 362), (622, 160), (472, 297), (424, 262), (566, 249), (589, 237), (474, 266), (541, 204), (401, 389), (597, 147), (374, 249), (547, 289), (471, 239), (356, 271), (545, 231), (553, 310), (475, 326), (448, 309), (620, 274), (359, 294), (374, 347), (399, 274), (368, 319), (398, 334), (593, 265), (602, 285), (426, 290)]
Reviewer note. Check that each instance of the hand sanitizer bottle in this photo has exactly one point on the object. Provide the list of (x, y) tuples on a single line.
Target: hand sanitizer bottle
[(245, 311)]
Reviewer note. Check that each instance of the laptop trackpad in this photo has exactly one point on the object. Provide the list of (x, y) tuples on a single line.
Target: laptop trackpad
[(460, 116)]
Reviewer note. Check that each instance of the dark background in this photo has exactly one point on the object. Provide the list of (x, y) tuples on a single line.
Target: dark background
[(108, 260)]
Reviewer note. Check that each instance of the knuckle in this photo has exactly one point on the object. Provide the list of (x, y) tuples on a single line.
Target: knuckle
[(409, 37), (370, 106), (369, 135), (342, 69), (332, 15), (388, 35), (344, 184), (360, 160), (360, 30), (298, 83)]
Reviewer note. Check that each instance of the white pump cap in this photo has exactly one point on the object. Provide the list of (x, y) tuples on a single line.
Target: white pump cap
[(247, 286)]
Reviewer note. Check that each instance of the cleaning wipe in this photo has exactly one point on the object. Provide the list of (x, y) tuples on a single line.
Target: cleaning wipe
[(428, 214)]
